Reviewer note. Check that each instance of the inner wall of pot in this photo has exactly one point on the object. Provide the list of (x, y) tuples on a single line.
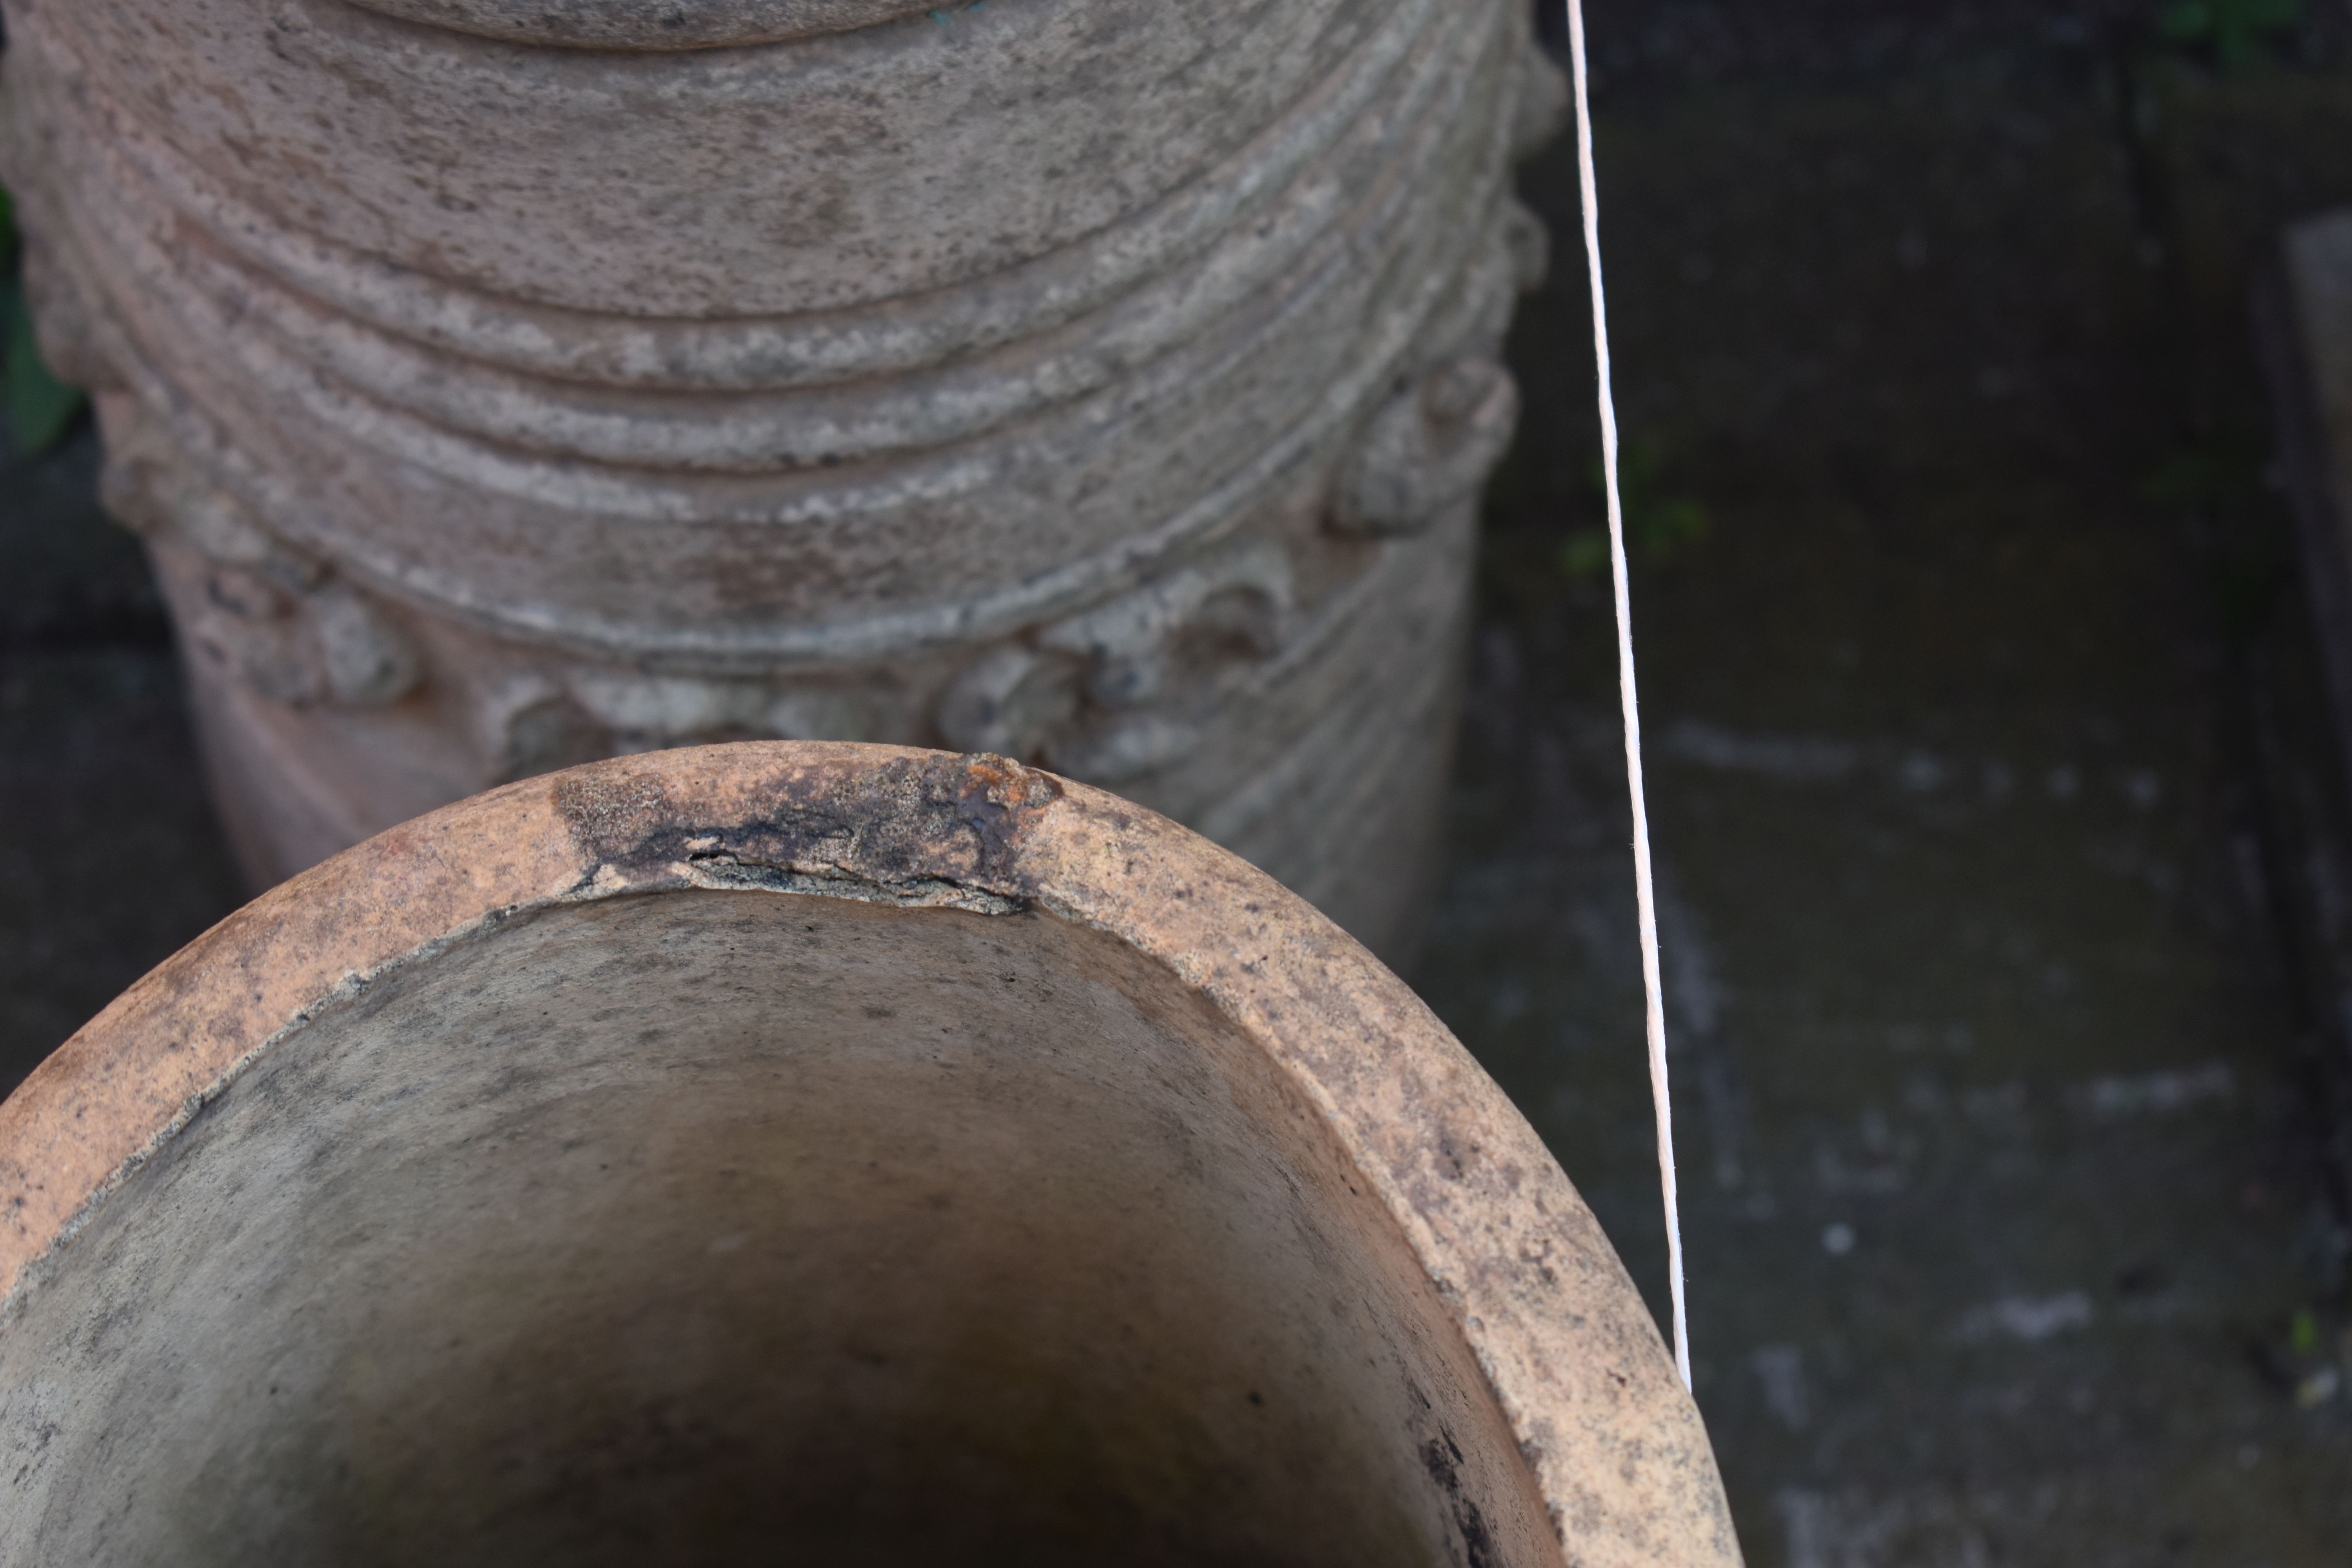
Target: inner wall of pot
[(719, 1227)]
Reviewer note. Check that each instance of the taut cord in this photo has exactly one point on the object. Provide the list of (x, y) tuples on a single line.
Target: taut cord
[(1644, 892)]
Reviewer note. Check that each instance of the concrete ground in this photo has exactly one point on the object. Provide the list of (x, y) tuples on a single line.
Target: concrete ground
[(108, 855), (1965, 630), (1984, 763)]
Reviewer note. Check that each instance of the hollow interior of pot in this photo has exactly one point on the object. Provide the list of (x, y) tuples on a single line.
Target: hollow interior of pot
[(718, 1227)]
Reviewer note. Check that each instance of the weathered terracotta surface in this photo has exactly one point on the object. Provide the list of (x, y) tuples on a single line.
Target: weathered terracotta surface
[(907, 1156), (1106, 383)]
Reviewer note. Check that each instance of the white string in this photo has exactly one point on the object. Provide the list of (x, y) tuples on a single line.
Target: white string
[(1645, 897)]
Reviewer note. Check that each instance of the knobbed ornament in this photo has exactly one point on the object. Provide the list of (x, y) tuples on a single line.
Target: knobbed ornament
[(501, 385)]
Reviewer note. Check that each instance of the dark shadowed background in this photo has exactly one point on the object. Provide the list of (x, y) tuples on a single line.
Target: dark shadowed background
[(1992, 784)]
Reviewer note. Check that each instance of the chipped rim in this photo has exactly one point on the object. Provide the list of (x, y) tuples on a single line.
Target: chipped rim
[(1573, 1356)]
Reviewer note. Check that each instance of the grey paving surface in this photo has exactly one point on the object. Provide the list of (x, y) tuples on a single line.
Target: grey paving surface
[(109, 858), (2010, 1239), (2011, 1236)]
